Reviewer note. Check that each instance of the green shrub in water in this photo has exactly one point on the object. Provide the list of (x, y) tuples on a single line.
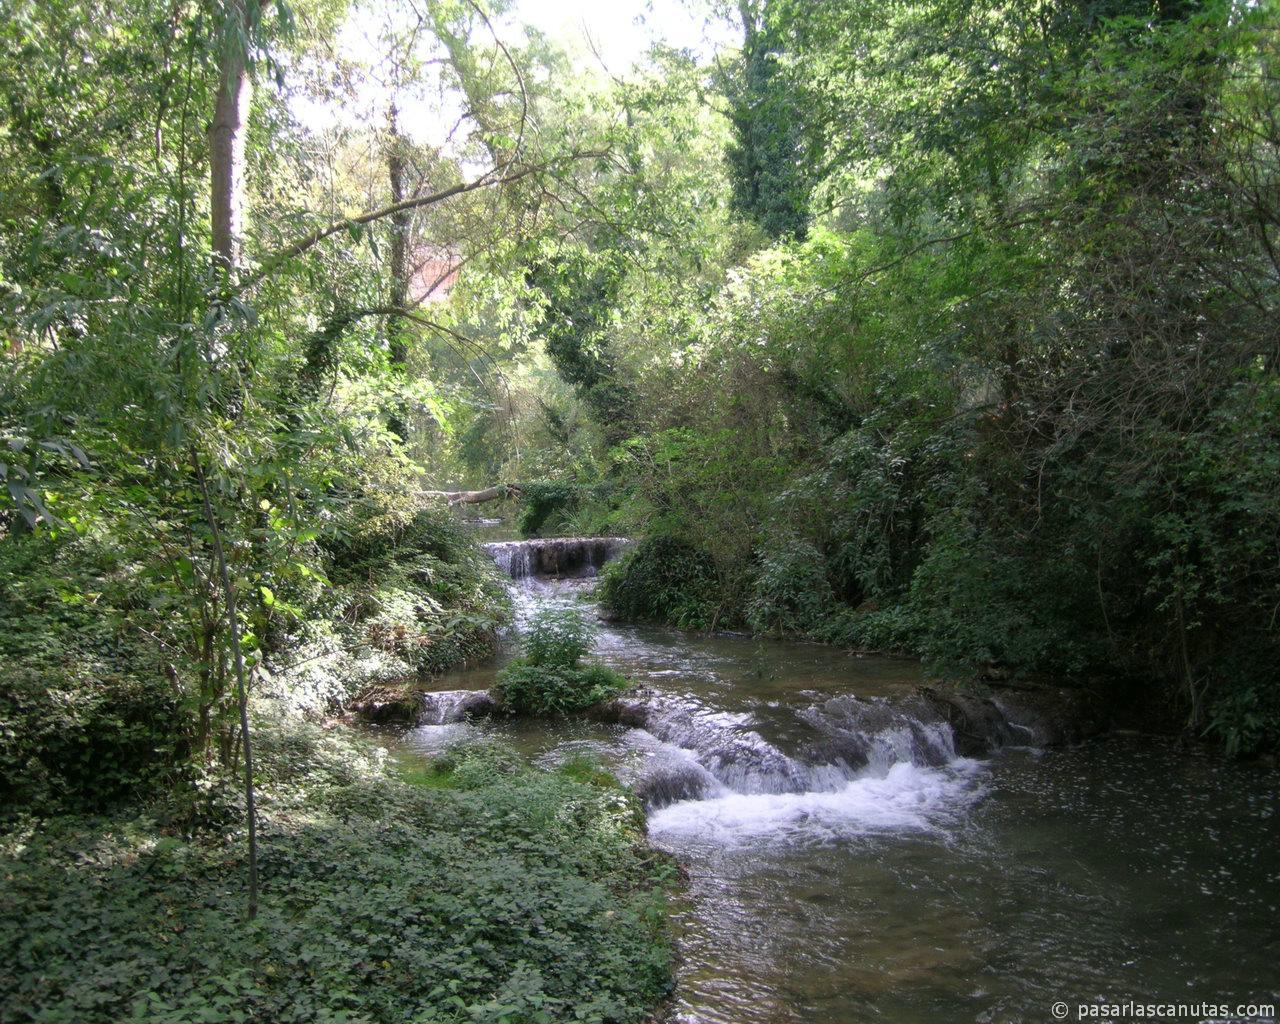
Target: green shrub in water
[(549, 678), (533, 690), (557, 639)]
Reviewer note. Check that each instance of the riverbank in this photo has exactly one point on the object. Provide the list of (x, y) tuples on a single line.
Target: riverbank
[(482, 889), (859, 845), (660, 581)]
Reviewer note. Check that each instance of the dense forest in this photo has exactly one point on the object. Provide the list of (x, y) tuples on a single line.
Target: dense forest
[(946, 329)]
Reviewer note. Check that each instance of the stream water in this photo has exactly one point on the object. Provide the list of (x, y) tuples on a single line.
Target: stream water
[(846, 865)]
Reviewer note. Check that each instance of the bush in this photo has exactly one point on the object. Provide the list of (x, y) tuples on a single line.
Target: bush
[(414, 588), (85, 744), (112, 681), (557, 639), (549, 679), (984, 603), (388, 530), (1245, 715), (533, 690), (542, 501), (895, 629), (87, 717), (790, 593), (664, 579)]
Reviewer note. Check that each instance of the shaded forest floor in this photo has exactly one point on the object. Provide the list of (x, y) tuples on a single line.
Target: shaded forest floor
[(480, 889)]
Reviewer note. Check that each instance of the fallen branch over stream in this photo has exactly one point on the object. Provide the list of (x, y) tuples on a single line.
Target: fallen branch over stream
[(495, 493)]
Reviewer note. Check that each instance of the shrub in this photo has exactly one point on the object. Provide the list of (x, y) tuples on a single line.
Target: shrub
[(87, 715), (664, 579), (476, 765), (550, 679), (557, 639), (388, 530), (981, 603), (895, 629), (1245, 715), (413, 588), (542, 501), (85, 743), (790, 592), (534, 690)]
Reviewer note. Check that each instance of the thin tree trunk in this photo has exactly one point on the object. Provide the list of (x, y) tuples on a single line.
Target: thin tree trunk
[(401, 224), (242, 691), (227, 134), (398, 269)]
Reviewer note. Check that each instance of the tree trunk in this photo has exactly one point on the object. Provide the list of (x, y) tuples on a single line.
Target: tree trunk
[(401, 222), (227, 136), (495, 493), (398, 268)]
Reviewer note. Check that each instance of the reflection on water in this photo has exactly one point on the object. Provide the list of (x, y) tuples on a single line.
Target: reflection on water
[(1124, 869), (844, 865)]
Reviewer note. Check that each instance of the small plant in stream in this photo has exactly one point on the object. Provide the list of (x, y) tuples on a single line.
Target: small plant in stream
[(550, 679), (557, 639)]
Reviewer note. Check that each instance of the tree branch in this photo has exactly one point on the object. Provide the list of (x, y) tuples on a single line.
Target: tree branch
[(486, 180), (495, 493)]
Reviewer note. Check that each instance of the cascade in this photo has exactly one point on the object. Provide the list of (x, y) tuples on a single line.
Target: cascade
[(554, 556), (692, 751)]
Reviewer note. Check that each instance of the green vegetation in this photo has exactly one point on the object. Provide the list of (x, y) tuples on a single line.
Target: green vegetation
[(543, 504), (938, 327), (662, 579), (549, 678), (409, 584), (1003, 394), (101, 634), (484, 890)]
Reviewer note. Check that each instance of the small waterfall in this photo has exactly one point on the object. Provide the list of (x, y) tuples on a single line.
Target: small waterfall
[(735, 753), (554, 556), (692, 753), (512, 557), (836, 769), (445, 707), (880, 733)]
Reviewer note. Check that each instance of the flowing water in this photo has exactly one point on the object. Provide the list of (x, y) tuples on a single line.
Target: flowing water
[(846, 865)]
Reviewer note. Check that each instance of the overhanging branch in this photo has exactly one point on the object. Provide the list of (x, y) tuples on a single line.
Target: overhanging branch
[(487, 180)]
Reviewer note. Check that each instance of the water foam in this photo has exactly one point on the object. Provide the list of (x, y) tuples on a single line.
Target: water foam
[(907, 798)]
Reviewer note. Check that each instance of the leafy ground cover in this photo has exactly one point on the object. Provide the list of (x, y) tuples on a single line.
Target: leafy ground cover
[(479, 890)]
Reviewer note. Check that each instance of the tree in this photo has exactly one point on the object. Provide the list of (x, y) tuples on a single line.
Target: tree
[(227, 134), (769, 169)]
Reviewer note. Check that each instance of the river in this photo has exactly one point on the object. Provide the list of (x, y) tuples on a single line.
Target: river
[(845, 864)]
